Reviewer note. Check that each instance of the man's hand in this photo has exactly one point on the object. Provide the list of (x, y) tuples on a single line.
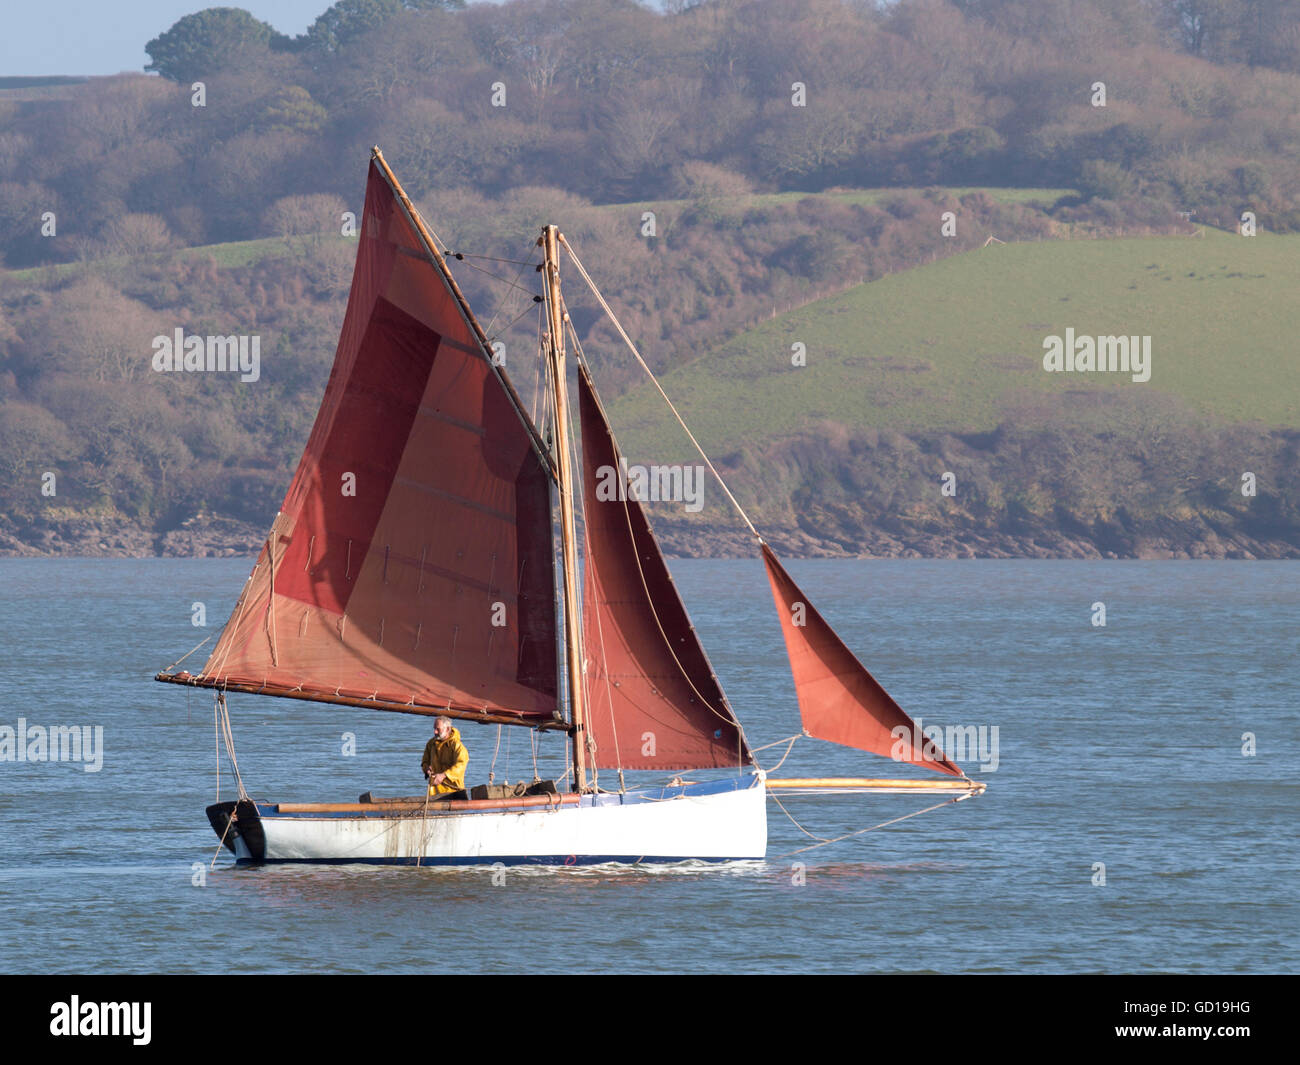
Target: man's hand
[(437, 778)]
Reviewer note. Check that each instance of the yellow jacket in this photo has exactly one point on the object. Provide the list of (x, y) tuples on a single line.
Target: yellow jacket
[(447, 756)]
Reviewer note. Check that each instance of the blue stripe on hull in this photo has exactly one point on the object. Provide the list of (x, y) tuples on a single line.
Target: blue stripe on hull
[(570, 860)]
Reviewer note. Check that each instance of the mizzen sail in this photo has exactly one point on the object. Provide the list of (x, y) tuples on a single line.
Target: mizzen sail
[(838, 699), (411, 562), (653, 701)]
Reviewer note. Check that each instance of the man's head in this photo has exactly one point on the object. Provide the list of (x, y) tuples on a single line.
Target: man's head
[(442, 728)]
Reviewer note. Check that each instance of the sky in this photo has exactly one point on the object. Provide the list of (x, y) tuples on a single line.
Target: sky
[(108, 36)]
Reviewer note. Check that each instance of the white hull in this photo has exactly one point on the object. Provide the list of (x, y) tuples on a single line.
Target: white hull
[(717, 821)]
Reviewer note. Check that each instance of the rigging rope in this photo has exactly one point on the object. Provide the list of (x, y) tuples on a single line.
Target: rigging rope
[(784, 739), (730, 717), (461, 255), (580, 496), (540, 396), (187, 654), (793, 739), (859, 832), (216, 746), (495, 277), (232, 625), (505, 328), (796, 824), (514, 284), (222, 842), (220, 729), (228, 737), (492, 771), (654, 381), (609, 691), (584, 745), (424, 818), (270, 595)]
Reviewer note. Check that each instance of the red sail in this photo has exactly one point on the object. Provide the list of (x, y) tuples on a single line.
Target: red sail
[(653, 701), (412, 558), (838, 699)]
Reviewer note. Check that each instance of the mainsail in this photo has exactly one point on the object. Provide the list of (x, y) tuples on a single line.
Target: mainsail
[(653, 701), (838, 699), (411, 563)]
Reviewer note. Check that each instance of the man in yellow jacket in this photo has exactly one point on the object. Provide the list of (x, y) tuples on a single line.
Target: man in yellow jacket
[(445, 759)]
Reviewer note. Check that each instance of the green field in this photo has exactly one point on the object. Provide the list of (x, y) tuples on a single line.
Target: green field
[(953, 345), (233, 254)]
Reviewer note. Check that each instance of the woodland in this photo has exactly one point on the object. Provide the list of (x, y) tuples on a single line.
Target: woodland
[(787, 149)]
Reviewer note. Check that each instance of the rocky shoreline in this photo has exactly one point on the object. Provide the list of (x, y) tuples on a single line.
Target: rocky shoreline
[(877, 544), (202, 537), (1200, 543), (217, 537)]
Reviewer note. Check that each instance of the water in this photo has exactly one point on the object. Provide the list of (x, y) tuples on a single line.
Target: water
[(1119, 745)]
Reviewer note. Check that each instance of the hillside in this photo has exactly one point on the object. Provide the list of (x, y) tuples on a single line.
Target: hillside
[(957, 345), (239, 126), (141, 455), (939, 369), (923, 371)]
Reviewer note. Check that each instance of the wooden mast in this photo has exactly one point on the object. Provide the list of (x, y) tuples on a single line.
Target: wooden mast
[(568, 535)]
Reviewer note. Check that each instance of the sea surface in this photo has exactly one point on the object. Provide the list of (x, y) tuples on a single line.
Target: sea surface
[(1126, 826)]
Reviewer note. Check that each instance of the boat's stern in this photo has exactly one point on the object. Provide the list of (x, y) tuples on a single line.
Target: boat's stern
[(239, 827)]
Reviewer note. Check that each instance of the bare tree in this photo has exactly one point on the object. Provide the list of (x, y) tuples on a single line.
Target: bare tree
[(136, 234)]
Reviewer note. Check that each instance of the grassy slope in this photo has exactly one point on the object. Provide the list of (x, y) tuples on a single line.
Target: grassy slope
[(947, 346), (233, 254)]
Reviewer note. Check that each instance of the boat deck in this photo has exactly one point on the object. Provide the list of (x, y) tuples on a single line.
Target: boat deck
[(417, 807)]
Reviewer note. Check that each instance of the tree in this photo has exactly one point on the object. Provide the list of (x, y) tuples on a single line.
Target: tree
[(14, 149), (349, 19), (1099, 179), (291, 110), (207, 42), (136, 234), (1202, 26), (92, 331), (32, 440), (706, 183), (21, 208), (300, 216), (406, 53), (1252, 180), (800, 147)]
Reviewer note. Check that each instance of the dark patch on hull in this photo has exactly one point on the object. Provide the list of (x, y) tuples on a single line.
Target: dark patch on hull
[(245, 824)]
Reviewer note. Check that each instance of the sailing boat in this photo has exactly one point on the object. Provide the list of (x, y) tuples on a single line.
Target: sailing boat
[(412, 568)]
